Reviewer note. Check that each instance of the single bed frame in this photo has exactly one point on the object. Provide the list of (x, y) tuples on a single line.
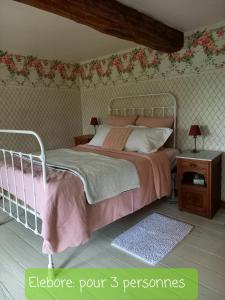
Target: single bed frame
[(157, 104)]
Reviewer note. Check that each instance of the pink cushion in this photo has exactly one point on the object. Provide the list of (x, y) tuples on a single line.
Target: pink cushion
[(155, 122), (116, 138), (120, 121)]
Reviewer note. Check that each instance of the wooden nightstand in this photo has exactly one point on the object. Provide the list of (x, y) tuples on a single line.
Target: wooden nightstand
[(82, 139), (199, 182)]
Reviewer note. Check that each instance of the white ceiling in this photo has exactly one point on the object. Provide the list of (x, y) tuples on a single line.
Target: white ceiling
[(29, 31), (184, 15)]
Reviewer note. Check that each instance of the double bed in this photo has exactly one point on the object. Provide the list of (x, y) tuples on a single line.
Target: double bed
[(40, 189)]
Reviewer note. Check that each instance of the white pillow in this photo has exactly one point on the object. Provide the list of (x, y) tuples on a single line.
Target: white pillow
[(147, 140), (100, 135)]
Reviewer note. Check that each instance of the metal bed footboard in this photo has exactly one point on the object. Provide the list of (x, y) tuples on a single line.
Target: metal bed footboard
[(16, 208)]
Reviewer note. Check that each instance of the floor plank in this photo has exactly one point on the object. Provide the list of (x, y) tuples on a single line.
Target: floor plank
[(203, 249), (4, 292), (207, 294), (200, 256), (207, 277)]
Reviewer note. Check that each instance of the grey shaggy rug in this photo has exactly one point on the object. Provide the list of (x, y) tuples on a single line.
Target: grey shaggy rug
[(153, 238)]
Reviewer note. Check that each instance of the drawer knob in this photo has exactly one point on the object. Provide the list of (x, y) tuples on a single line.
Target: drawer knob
[(193, 165)]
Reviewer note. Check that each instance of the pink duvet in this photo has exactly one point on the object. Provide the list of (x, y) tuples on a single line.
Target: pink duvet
[(68, 220)]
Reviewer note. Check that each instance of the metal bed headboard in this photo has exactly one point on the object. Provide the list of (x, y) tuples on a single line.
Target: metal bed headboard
[(152, 105)]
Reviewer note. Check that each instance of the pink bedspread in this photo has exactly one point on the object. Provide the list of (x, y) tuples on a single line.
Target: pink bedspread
[(68, 220)]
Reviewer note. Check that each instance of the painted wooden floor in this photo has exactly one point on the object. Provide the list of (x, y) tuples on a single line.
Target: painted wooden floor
[(203, 249)]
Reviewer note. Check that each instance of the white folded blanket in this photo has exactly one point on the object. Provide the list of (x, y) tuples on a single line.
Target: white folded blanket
[(103, 177)]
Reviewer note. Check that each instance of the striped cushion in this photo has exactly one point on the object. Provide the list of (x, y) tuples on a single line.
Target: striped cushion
[(116, 138)]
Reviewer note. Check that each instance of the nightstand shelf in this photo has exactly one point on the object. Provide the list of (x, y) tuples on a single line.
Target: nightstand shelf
[(196, 187), (204, 168), (189, 178)]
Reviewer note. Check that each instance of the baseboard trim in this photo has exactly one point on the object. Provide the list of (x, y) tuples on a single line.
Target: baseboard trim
[(222, 204)]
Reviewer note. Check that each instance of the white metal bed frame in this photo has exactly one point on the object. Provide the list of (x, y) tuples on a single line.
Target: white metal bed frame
[(12, 200), (10, 203), (164, 110)]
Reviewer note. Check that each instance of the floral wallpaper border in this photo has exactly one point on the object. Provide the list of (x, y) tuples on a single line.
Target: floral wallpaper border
[(32, 70), (203, 50)]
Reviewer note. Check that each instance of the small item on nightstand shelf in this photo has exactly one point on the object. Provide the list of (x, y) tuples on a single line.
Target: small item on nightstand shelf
[(195, 131), (199, 179)]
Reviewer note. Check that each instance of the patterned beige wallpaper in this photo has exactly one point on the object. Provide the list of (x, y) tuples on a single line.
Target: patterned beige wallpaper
[(55, 113), (29, 70), (200, 98), (40, 101), (40, 95), (204, 50), (195, 75)]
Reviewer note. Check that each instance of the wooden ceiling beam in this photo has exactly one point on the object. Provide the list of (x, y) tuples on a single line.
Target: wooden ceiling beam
[(113, 18)]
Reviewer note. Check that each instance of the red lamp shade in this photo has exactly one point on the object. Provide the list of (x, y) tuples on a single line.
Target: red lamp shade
[(194, 130), (94, 121)]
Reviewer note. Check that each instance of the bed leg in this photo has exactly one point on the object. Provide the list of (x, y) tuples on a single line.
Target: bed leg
[(51, 273), (50, 262), (173, 199)]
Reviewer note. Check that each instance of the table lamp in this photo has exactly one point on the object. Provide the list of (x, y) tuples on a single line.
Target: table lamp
[(94, 122), (195, 132)]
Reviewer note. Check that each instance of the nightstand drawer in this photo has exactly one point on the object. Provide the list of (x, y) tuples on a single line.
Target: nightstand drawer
[(194, 166)]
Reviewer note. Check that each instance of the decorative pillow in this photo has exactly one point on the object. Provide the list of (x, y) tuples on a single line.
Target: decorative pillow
[(100, 135), (120, 120), (116, 138), (155, 122), (147, 140)]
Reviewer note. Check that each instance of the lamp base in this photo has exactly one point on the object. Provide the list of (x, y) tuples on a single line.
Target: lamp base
[(195, 151)]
